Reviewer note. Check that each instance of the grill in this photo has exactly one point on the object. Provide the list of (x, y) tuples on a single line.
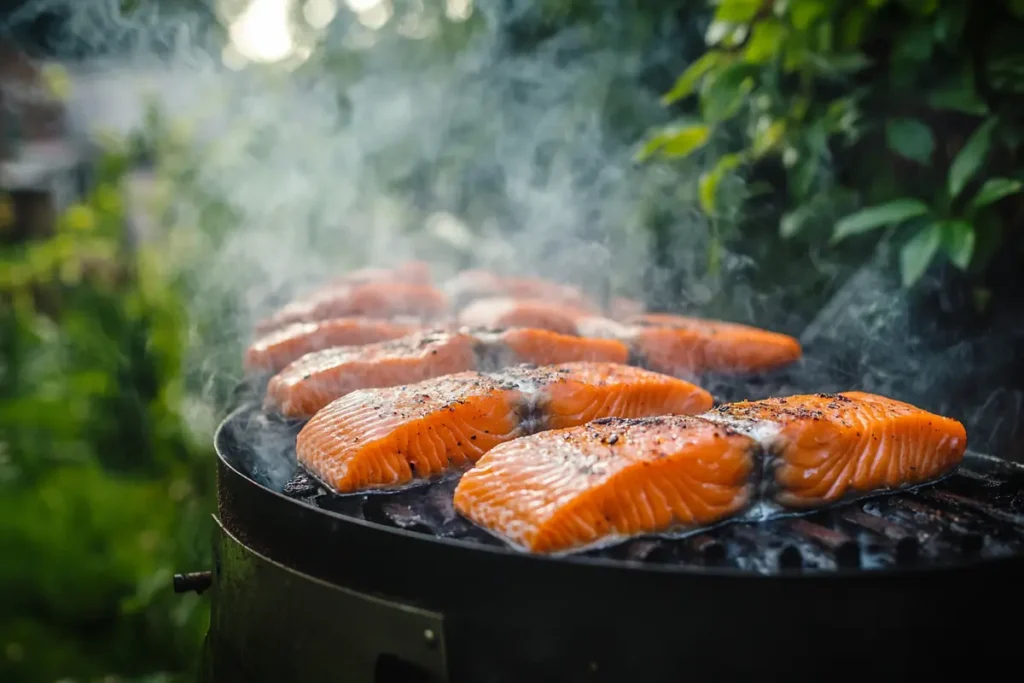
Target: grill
[(311, 586)]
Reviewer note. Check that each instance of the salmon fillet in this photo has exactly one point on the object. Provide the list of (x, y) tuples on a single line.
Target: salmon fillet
[(826, 448), (473, 284), (274, 351), (500, 312), (371, 300), (314, 380), (620, 308), (317, 378), (686, 347), (589, 391), (596, 484), (544, 347), (409, 272), (392, 437)]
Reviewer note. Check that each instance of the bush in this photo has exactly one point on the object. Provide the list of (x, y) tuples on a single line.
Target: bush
[(103, 491), (854, 118)]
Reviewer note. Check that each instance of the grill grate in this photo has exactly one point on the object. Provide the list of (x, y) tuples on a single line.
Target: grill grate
[(976, 513)]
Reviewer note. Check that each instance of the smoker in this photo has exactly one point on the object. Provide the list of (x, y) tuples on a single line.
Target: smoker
[(310, 586)]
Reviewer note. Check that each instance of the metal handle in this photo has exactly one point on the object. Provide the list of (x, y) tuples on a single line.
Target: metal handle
[(196, 582)]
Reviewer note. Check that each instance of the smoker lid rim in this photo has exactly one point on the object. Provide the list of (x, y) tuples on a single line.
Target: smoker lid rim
[(844, 574)]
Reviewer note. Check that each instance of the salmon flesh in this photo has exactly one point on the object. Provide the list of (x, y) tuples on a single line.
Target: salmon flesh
[(470, 285), (317, 378), (373, 299), (608, 480), (502, 312), (273, 351), (389, 438), (611, 479), (822, 449)]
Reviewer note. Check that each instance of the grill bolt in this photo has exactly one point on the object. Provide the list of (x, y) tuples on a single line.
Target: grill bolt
[(196, 582), (430, 638)]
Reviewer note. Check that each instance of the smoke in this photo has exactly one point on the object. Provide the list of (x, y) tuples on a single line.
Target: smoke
[(369, 134), (379, 131)]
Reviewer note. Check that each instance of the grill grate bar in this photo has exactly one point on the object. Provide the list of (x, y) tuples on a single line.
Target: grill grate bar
[(976, 512), (957, 500)]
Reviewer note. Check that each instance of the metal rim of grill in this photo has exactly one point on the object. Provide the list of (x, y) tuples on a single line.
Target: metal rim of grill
[(974, 516)]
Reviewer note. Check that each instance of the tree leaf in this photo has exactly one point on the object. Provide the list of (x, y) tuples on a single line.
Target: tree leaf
[(765, 41), (709, 181), (890, 213), (687, 81), (995, 189), (958, 94), (845, 63), (917, 254), (793, 222), (723, 95), (803, 13), (674, 142), (767, 136), (970, 157), (738, 11), (686, 141), (910, 139), (958, 242)]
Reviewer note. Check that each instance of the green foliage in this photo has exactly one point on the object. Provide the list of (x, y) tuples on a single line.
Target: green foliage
[(104, 492), (819, 88)]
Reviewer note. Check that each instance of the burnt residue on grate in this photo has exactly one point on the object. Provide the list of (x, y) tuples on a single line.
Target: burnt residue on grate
[(976, 513)]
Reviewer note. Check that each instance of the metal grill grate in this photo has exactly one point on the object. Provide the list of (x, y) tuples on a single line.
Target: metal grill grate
[(976, 513)]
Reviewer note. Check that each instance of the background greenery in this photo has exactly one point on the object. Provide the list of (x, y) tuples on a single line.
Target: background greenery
[(796, 133)]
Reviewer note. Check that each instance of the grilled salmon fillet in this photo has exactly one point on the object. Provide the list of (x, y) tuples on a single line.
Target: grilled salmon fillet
[(314, 380), (408, 272), (678, 344), (591, 485), (688, 347), (825, 448), (319, 377), (543, 347), (371, 300), (473, 284), (274, 351), (500, 312), (392, 437), (620, 308)]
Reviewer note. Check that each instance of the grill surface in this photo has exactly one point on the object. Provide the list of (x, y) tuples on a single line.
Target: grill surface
[(975, 514), (874, 590)]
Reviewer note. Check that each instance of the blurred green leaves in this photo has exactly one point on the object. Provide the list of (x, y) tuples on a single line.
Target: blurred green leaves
[(911, 139), (995, 189), (918, 252), (970, 158), (675, 142), (873, 99), (103, 491), (889, 213)]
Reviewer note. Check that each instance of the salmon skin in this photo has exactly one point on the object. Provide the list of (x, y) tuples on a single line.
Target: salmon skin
[(274, 351), (689, 347), (823, 449), (316, 379), (589, 486), (388, 438), (470, 285)]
